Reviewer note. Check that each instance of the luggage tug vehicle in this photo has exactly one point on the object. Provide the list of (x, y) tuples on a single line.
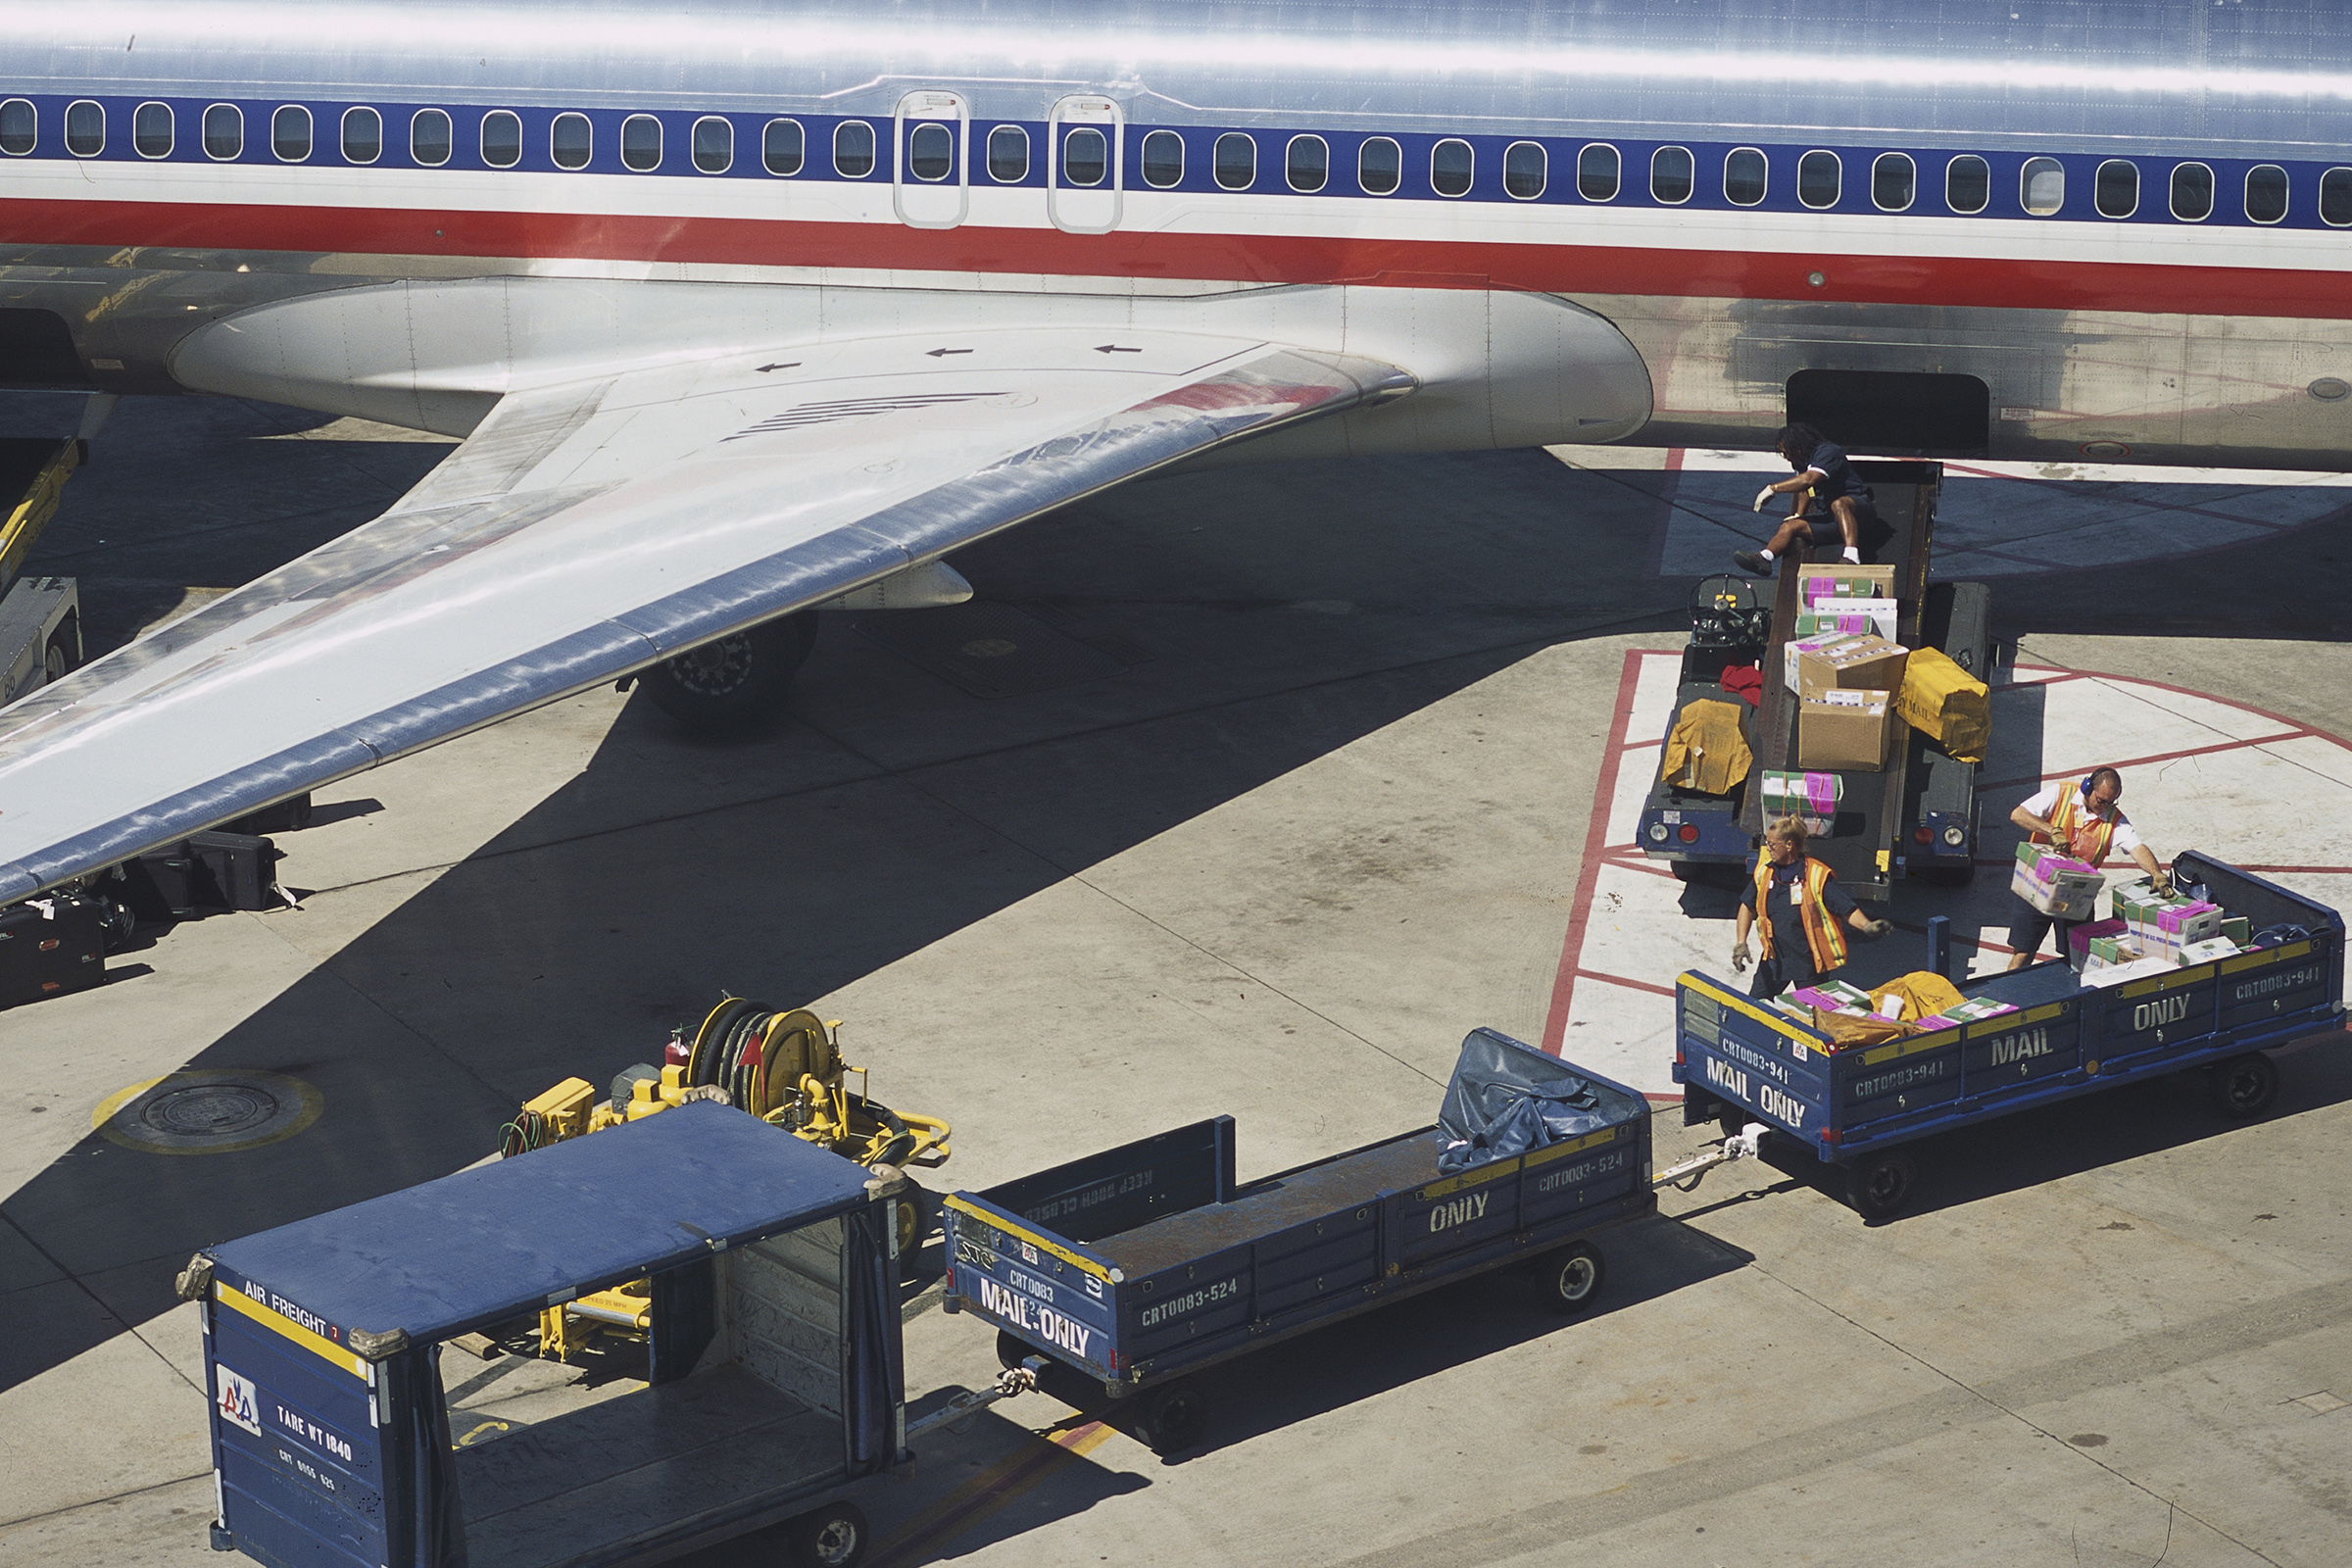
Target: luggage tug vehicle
[(782, 1066)]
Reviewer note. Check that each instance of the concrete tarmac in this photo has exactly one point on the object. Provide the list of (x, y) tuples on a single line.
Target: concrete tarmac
[(1246, 791)]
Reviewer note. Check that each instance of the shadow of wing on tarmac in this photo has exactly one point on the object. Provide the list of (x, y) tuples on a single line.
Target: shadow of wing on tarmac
[(1327, 601)]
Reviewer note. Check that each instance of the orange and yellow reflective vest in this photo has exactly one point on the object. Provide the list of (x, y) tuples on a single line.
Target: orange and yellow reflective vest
[(2068, 817), (1822, 932)]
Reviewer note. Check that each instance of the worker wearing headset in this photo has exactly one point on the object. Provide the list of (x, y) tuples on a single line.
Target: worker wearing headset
[(2083, 820)]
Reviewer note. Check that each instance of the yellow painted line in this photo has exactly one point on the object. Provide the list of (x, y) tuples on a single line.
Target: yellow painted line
[(1777, 1023), (1033, 1463), (1573, 1146), (1042, 1243), (1894, 1049), (278, 1323), (1473, 1177)]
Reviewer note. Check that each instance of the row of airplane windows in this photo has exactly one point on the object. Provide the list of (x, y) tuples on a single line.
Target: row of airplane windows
[(1085, 159)]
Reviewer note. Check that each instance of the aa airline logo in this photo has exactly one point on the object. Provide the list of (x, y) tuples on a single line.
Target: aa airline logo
[(240, 1401)]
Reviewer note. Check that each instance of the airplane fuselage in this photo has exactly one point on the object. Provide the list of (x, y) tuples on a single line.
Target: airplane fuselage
[(2131, 240)]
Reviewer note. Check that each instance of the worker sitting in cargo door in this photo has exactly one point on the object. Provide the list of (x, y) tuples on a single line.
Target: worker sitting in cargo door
[(2084, 819), (1829, 502), (1806, 912)]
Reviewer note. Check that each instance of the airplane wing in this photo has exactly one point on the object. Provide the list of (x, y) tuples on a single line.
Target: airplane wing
[(591, 528)]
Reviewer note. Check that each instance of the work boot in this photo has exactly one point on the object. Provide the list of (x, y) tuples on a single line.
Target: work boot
[(1749, 562)]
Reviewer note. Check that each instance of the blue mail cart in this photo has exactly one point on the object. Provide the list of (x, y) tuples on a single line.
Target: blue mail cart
[(775, 1380)]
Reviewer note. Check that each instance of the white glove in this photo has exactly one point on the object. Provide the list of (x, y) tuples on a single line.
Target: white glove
[(1764, 498), (1739, 957)]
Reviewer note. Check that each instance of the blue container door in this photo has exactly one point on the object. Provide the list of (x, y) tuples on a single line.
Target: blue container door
[(295, 1439)]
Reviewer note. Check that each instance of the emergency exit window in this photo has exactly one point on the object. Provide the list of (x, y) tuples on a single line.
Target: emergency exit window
[(931, 152), (1085, 157)]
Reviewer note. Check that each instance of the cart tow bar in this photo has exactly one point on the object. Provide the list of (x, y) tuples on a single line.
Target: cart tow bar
[(1746, 1144), (1009, 1384)]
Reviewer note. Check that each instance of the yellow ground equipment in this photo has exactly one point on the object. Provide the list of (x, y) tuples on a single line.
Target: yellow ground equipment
[(783, 1065)]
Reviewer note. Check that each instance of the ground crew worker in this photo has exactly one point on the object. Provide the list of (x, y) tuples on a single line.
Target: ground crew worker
[(2083, 819), (1829, 502), (1804, 910)]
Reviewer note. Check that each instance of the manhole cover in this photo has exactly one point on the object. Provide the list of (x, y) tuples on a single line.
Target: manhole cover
[(207, 1111)]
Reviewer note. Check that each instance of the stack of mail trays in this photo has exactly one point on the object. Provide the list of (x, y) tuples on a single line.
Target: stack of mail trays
[(2058, 885), (2160, 933)]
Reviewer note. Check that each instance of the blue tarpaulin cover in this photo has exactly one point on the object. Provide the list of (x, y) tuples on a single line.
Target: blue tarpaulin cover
[(491, 1244), (1507, 1098)]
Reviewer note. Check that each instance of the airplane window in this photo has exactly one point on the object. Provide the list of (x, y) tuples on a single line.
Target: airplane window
[(641, 143), (502, 139), (1452, 166), (1236, 161), (430, 139), (1596, 172), (363, 135), (1967, 183), (1744, 174), (571, 141), (931, 151), (19, 126), (854, 149), (1164, 159), (151, 131), (290, 134), (781, 149), (1308, 163), (1009, 154), (223, 132), (2115, 189), (1523, 170), (2041, 186), (1671, 176), (713, 144), (2192, 192), (1379, 167), (1085, 157), (1818, 175), (1893, 177), (85, 129), (2266, 189), (2336, 198)]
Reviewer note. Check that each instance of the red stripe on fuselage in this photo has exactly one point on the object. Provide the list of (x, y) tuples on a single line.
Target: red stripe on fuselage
[(1552, 269)]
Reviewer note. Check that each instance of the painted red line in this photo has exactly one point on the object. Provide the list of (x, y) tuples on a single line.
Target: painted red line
[(2297, 870), (1620, 980), (2160, 756), (1538, 263), (1588, 874), (2296, 724), (1641, 866)]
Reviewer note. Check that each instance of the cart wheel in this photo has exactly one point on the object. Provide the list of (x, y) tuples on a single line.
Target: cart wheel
[(1169, 1418), (1879, 1188), (1569, 1279), (2243, 1087), (833, 1537)]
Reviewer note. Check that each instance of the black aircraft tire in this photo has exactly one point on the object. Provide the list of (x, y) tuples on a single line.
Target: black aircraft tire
[(734, 684), (1169, 1418), (833, 1537)]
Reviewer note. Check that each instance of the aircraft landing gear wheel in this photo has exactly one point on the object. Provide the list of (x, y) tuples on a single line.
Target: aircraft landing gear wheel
[(735, 683), (1880, 1187), (1168, 1418), (2243, 1087), (57, 660), (1569, 1279), (833, 1537)]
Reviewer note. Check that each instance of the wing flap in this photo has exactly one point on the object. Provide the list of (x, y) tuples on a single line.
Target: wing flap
[(591, 528)]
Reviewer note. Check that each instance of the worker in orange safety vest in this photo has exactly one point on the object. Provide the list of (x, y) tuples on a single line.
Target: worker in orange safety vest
[(1805, 912), (2083, 822)]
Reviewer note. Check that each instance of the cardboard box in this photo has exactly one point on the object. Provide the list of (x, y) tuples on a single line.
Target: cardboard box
[(1868, 664), (2079, 940), (1838, 579), (1844, 730), (2237, 928), (2110, 950)]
